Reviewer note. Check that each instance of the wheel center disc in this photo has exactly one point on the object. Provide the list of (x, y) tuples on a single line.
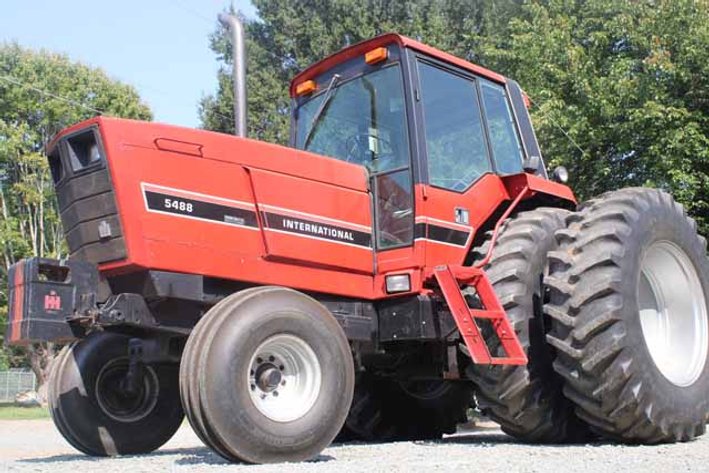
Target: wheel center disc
[(117, 402), (284, 378), (268, 377), (673, 313)]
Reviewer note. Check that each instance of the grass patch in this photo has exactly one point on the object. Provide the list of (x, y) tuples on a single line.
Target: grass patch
[(12, 412)]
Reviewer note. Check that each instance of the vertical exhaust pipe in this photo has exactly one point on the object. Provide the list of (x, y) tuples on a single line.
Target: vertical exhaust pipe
[(236, 28)]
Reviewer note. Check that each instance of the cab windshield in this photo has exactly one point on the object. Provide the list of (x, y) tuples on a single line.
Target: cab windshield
[(363, 121)]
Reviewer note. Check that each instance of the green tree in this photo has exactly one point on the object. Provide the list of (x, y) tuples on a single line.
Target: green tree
[(628, 82), (41, 93), (291, 34), (620, 90)]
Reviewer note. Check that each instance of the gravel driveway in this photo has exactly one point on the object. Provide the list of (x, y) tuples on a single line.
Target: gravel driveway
[(36, 446)]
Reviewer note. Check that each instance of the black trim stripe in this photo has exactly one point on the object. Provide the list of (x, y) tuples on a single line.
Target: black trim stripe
[(310, 228), (438, 233), (447, 235), (158, 202), (419, 230)]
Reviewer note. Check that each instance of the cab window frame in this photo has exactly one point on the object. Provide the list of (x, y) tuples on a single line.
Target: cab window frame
[(402, 57), (514, 121), (475, 80)]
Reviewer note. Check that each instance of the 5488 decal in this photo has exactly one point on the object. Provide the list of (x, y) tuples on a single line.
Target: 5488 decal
[(180, 205)]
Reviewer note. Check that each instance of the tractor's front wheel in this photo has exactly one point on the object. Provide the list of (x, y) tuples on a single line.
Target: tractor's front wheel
[(267, 376), (98, 413), (629, 304)]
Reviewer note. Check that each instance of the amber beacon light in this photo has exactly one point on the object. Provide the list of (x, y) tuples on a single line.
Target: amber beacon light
[(376, 55), (305, 88)]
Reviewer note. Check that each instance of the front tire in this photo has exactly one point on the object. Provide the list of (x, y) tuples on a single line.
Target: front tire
[(92, 411), (267, 376), (630, 289)]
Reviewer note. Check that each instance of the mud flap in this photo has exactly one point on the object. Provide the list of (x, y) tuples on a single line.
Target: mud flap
[(44, 295)]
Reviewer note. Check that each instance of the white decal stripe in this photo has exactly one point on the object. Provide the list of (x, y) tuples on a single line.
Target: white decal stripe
[(336, 242), (203, 197), (453, 245), (443, 223), (192, 217), (354, 226)]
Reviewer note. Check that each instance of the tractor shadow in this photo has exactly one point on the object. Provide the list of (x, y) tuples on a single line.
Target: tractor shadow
[(205, 456), (490, 435), (190, 456)]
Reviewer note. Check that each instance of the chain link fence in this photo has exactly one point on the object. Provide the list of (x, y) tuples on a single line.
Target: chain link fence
[(14, 382)]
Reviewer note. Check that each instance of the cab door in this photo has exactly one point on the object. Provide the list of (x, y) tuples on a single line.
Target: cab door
[(469, 140)]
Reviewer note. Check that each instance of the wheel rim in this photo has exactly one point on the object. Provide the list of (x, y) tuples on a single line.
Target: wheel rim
[(119, 404), (673, 313), (284, 378)]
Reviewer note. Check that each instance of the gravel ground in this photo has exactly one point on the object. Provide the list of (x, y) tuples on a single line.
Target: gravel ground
[(35, 445)]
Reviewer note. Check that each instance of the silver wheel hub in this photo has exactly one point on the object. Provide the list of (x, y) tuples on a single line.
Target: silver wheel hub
[(673, 313), (118, 403), (284, 378)]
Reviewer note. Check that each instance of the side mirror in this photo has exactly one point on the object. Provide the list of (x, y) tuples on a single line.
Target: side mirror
[(531, 164)]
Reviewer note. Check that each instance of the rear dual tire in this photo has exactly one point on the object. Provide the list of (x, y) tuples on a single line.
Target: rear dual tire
[(527, 401), (628, 302), (267, 376)]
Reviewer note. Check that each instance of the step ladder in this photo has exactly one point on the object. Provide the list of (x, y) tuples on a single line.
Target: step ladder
[(450, 279)]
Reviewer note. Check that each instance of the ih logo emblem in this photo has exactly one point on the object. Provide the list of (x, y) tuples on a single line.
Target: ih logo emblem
[(52, 301)]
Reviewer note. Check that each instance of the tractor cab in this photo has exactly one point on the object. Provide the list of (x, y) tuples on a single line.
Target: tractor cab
[(437, 134)]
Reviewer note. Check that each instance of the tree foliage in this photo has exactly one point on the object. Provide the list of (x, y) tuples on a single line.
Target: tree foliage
[(628, 82), (620, 89), (41, 93)]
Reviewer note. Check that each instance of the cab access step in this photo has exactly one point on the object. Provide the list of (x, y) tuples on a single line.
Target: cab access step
[(450, 279)]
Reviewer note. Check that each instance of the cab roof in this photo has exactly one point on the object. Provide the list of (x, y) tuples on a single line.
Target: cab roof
[(360, 49)]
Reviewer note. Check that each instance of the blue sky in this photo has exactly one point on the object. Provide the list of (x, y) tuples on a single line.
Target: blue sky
[(161, 47)]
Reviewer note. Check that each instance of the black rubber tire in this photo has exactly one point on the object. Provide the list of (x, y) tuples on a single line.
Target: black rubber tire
[(217, 399), (527, 401), (608, 371), (383, 410), (189, 370), (81, 419)]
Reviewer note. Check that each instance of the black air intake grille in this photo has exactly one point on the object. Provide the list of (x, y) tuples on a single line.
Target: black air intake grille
[(90, 217)]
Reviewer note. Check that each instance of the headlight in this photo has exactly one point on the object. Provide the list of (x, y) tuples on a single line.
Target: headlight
[(560, 174)]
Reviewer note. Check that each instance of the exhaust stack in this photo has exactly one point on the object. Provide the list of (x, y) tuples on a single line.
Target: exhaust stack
[(236, 27)]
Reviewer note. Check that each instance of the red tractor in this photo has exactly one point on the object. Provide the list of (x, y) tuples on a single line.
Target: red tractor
[(406, 255)]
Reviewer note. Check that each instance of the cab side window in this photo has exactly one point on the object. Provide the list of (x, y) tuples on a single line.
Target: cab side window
[(505, 144), (455, 140)]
